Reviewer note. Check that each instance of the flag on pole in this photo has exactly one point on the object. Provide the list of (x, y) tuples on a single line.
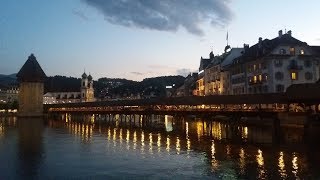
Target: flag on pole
[(227, 38)]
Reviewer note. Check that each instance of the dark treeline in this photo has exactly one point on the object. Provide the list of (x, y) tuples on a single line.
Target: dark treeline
[(62, 84), (104, 87), (115, 87)]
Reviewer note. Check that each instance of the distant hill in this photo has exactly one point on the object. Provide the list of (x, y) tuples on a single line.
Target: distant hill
[(104, 87), (8, 80)]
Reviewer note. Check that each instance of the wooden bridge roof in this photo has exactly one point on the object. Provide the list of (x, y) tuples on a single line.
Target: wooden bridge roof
[(189, 100)]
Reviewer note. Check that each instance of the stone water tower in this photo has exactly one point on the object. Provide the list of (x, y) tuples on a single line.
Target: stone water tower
[(31, 79)]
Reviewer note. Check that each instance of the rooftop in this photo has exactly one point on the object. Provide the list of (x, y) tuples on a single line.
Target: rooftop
[(31, 71)]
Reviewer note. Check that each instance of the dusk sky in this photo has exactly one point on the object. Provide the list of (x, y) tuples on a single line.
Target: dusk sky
[(141, 38)]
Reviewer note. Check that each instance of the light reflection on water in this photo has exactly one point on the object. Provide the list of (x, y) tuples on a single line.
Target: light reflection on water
[(191, 148)]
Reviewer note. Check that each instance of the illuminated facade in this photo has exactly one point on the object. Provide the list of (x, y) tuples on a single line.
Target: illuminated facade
[(86, 93), (270, 66), (86, 90)]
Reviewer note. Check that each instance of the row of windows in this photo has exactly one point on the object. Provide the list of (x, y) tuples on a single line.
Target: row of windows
[(255, 67), (279, 63), (292, 51), (258, 79), (293, 75)]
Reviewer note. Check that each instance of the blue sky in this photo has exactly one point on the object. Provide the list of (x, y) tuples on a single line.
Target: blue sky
[(70, 36)]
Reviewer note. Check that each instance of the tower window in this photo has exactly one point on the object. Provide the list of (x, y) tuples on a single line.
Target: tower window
[(83, 84), (301, 52), (83, 95)]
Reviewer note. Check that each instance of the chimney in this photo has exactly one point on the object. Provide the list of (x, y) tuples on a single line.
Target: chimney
[(289, 33), (280, 33), (211, 55), (260, 42), (245, 47)]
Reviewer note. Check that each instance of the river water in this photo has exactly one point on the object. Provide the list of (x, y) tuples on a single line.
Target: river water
[(153, 147)]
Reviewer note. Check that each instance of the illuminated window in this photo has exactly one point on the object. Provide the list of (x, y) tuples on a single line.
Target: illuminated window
[(260, 77), (254, 67), (292, 51), (294, 75), (254, 79), (301, 51)]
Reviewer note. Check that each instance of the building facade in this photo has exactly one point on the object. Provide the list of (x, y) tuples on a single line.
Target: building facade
[(86, 93), (269, 66)]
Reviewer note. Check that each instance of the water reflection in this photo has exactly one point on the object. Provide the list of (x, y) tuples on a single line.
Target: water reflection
[(214, 162), (191, 136), (295, 165), (281, 164), (225, 148), (261, 168), (242, 161), (30, 147)]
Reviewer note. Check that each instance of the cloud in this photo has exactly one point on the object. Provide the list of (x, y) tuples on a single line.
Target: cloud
[(183, 72), (165, 15), (80, 14), (137, 73), (158, 66)]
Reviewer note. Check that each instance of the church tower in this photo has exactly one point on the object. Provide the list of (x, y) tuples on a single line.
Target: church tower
[(87, 91), (31, 79)]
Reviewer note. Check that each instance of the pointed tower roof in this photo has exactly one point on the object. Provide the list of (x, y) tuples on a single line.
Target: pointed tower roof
[(31, 71), (84, 75), (90, 77)]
